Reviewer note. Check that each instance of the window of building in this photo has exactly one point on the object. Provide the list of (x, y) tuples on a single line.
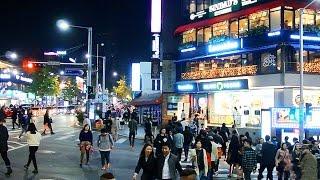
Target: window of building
[(201, 66), (189, 36), (288, 19), (207, 34), (259, 19), (206, 4), (318, 18), (221, 28), (275, 19), (158, 84), (308, 17), (243, 26), (153, 84), (200, 36), (193, 6), (234, 29), (199, 5)]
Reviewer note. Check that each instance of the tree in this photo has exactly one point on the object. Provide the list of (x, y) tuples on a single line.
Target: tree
[(122, 91), (44, 84), (71, 89)]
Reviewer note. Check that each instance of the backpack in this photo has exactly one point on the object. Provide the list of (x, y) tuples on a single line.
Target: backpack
[(110, 139)]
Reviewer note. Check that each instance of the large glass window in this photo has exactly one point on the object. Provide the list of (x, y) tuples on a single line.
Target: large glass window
[(200, 36), (206, 4), (275, 18), (221, 28), (193, 6), (318, 19), (243, 26), (207, 34), (234, 29), (307, 17), (288, 19), (199, 5), (189, 36), (259, 19)]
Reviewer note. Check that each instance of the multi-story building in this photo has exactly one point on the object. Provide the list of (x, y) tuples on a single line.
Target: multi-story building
[(239, 63)]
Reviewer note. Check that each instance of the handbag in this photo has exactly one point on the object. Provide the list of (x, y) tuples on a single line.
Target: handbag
[(50, 120)]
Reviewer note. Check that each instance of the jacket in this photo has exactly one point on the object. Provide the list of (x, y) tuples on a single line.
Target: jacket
[(187, 137), (249, 159), (132, 125), (46, 119), (105, 142), (309, 169), (193, 155), (148, 167), (178, 140), (4, 136), (83, 136), (268, 153), (33, 139), (174, 166)]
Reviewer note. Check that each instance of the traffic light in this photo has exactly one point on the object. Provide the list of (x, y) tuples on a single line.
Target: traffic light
[(308, 108), (90, 92)]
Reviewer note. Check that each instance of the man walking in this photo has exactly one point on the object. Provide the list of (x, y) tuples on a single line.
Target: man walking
[(268, 158), (132, 132), (178, 140), (249, 159), (14, 116), (4, 136)]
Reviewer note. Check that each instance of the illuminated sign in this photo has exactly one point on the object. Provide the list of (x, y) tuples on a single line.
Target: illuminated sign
[(285, 117), (188, 87), (188, 49), (222, 7), (156, 46), (135, 77), (275, 33), (224, 46), (308, 38), (248, 2), (17, 77), (156, 16), (198, 15), (224, 85), (58, 53), (21, 78), (5, 76)]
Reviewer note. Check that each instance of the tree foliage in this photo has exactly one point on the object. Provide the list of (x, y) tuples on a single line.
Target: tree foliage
[(122, 90), (70, 90), (44, 84)]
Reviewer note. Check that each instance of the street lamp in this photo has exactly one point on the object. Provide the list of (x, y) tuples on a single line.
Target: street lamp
[(64, 25), (301, 104), (10, 55), (115, 74)]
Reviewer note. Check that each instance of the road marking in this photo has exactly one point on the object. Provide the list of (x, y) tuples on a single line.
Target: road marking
[(121, 140), (16, 143), (65, 137)]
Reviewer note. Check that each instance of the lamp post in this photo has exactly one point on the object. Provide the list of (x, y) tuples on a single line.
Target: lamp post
[(10, 55), (301, 104), (97, 68), (64, 25)]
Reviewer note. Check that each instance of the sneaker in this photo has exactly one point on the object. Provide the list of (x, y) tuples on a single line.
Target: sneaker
[(52, 133), (35, 171)]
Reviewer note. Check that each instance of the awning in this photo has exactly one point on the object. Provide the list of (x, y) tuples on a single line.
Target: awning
[(147, 99), (235, 52)]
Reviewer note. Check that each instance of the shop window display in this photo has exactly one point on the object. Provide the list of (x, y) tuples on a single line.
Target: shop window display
[(207, 34), (275, 18), (189, 36), (288, 19), (221, 28), (192, 6), (259, 19), (308, 17), (318, 19), (199, 37), (243, 26), (234, 29)]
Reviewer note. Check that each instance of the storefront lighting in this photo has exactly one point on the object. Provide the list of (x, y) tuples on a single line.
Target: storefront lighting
[(230, 45), (5, 76), (185, 87), (275, 33), (188, 49), (308, 38)]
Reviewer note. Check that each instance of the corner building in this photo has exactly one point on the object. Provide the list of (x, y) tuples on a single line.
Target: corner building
[(239, 64)]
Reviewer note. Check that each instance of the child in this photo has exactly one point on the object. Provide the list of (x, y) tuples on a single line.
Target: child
[(105, 145)]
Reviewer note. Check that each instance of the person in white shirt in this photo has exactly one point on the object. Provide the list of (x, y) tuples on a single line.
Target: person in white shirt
[(87, 121), (183, 115), (33, 140)]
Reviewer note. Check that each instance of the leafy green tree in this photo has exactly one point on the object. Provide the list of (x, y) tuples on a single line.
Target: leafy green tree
[(70, 90), (44, 84), (122, 90)]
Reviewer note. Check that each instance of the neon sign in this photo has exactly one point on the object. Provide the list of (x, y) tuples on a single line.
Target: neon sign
[(224, 85), (228, 45), (188, 87)]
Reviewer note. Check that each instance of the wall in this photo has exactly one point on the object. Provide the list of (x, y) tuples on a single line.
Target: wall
[(168, 75)]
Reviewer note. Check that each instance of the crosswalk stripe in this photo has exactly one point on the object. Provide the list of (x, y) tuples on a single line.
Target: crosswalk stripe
[(65, 137), (121, 140)]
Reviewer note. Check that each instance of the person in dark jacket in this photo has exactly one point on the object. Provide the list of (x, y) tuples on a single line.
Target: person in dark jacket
[(233, 152), (167, 164), (249, 159), (133, 128), (268, 158), (85, 138), (160, 139), (147, 163), (21, 112), (47, 122), (108, 124), (14, 117), (187, 135), (4, 136), (2, 113)]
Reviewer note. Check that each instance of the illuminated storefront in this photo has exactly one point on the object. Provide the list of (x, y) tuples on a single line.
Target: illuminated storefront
[(240, 58)]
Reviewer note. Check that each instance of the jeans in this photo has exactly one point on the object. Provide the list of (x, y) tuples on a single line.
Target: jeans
[(32, 156), (178, 153), (5, 158), (269, 168), (132, 136), (23, 130), (14, 122), (105, 157), (201, 175), (247, 174), (186, 150)]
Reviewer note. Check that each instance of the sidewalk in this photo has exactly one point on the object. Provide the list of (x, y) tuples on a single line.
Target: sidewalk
[(125, 132)]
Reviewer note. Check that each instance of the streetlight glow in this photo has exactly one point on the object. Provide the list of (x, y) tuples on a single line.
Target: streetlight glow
[(63, 25), (114, 74), (61, 73), (13, 55), (87, 56)]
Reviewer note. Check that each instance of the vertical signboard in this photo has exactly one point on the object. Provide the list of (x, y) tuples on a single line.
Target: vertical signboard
[(155, 69)]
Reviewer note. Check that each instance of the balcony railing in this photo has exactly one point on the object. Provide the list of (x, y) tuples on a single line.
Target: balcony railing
[(220, 73)]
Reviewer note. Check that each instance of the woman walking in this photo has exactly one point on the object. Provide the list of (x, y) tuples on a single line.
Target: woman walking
[(233, 158), (85, 138), (47, 122), (199, 161), (33, 140), (105, 145), (283, 162), (146, 162), (160, 139)]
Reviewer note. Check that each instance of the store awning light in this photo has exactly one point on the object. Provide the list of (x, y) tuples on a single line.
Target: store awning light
[(275, 33), (185, 87), (229, 45), (188, 49), (308, 38)]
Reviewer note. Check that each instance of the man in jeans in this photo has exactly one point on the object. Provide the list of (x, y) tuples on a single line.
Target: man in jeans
[(268, 158), (132, 132), (178, 140), (249, 159)]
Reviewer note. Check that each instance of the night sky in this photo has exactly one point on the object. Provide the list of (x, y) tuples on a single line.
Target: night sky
[(29, 28)]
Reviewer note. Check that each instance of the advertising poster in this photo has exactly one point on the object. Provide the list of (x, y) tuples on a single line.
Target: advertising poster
[(285, 118)]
